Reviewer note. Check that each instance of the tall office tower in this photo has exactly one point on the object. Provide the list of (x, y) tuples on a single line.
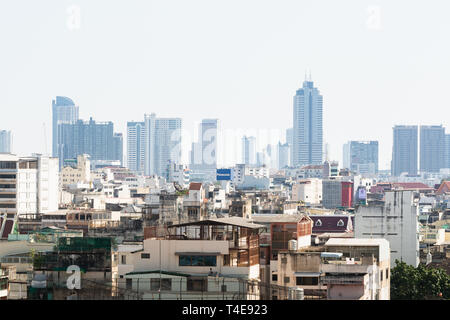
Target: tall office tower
[(204, 152), (163, 144), (89, 137), (346, 156), (290, 142), (283, 155), (136, 138), (447, 151), (64, 111), (308, 131), (5, 141), (432, 148), (404, 150), (361, 156), (118, 147), (249, 150)]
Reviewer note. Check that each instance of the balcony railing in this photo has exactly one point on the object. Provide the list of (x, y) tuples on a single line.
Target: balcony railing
[(342, 279)]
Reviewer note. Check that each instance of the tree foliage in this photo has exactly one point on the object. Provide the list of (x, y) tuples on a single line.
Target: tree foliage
[(421, 283)]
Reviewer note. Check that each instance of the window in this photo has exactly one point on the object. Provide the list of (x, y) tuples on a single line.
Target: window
[(197, 284), (381, 275), (145, 255), (286, 279), (387, 273), (129, 284), (274, 277), (318, 223), (307, 281), (124, 259), (197, 261), (166, 284), (340, 223)]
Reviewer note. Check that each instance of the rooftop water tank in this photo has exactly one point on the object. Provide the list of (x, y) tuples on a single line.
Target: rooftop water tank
[(296, 294), (292, 245)]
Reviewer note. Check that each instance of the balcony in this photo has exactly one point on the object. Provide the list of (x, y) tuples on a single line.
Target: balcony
[(345, 268), (344, 279)]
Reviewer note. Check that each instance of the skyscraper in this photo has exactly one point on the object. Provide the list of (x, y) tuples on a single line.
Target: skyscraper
[(118, 147), (96, 139), (5, 141), (249, 150), (404, 150), (308, 131), (447, 151), (64, 111), (204, 152), (361, 156), (283, 155), (432, 148), (290, 142), (136, 138), (163, 144)]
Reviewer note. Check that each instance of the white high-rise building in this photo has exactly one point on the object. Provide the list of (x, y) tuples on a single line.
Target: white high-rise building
[(162, 145), (203, 160), (5, 141), (249, 150)]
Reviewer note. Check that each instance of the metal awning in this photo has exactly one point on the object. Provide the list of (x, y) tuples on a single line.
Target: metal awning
[(198, 253)]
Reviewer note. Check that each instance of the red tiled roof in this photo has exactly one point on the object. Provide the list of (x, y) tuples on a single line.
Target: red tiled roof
[(195, 186), (411, 185), (445, 187)]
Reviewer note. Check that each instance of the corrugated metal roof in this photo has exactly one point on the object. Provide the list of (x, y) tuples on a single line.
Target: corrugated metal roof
[(235, 221)]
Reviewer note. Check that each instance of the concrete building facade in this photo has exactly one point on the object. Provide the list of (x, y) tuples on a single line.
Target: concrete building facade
[(395, 220)]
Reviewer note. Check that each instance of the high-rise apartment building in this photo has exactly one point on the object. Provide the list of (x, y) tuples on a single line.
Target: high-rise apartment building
[(447, 151), (432, 148), (5, 141), (64, 111), (118, 147), (361, 156), (29, 185), (290, 142), (163, 144), (97, 139), (404, 150), (136, 139), (204, 152), (283, 155), (249, 150), (307, 132)]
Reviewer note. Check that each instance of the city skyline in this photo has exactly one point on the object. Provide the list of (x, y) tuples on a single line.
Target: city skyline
[(345, 53)]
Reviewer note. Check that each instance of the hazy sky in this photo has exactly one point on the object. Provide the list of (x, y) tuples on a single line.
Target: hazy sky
[(377, 63)]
